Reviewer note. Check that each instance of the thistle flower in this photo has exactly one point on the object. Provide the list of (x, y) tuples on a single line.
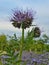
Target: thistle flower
[(19, 17)]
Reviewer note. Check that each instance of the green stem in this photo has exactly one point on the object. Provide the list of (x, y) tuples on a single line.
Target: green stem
[(21, 45), (22, 35)]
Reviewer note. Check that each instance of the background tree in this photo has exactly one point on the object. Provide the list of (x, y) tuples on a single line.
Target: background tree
[(3, 42)]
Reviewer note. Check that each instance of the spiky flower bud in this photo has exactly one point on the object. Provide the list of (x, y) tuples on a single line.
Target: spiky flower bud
[(37, 32)]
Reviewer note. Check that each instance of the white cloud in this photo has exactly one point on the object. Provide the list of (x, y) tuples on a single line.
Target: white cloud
[(5, 25)]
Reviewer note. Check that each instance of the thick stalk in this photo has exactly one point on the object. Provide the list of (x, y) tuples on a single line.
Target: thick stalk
[(22, 36), (21, 45)]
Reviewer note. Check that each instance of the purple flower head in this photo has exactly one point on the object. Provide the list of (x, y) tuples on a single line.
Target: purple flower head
[(25, 17), (34, 59)]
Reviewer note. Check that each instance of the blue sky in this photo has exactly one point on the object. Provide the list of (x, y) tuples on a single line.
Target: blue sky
[(41, 18)]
